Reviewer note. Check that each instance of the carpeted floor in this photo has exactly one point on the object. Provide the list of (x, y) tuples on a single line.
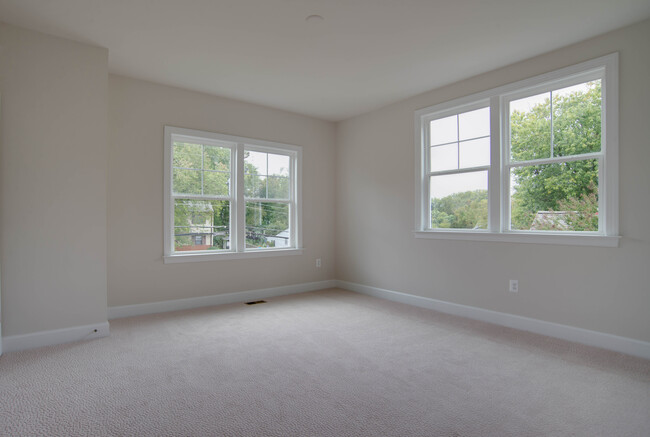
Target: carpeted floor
[(327, 363)]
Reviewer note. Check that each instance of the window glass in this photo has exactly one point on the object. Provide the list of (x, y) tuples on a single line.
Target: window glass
[(474, 153), (204, 221), (459, 200), (444, 157), (201, 170), (187, 181), (474, 124), (444, 130), (530, 128), (577, 119), (267, 175), (187, 155), (267, 225), (555, 197)]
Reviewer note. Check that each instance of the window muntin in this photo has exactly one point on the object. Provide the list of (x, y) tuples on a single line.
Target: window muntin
[(571, 145), (229, 195)]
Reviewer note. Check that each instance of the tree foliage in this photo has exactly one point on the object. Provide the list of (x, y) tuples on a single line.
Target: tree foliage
[(466, 210)]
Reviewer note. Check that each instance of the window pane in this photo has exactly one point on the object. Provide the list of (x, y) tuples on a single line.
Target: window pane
[(216, 158), (255, 186), (201, 225), (255, 162), (187, 181), (278, 165), (187, 155), (530, 128), (459, 201), (576, 119), (474, 124), (444, 157), (278, 187), (474, 153), (444, 130), (557, 197), (267, 225), (216, 183)]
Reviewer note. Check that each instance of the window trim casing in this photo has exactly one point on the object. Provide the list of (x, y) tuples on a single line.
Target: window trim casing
[(607, 67), (237, 145)]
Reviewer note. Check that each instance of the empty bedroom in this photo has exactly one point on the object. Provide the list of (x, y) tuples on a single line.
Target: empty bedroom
[(324, 218)]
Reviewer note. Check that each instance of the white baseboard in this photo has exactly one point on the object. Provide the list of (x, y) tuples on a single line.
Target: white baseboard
[(217, 299), (592, 338), (21, 342)]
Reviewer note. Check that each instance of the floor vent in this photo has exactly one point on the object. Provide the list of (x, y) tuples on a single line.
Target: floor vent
[(255, 302)]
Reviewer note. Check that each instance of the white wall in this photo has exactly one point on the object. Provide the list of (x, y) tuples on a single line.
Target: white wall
[(136, 273), (601, 289), (53, 180)]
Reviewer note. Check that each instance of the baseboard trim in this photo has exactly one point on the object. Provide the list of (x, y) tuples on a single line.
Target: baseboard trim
[(592, 338), (14, 343), (118, 312)]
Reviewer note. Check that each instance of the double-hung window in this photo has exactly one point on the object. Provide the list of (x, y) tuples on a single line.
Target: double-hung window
[(229, 197), (533, 161)]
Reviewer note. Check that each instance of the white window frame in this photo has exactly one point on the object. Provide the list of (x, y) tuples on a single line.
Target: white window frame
[(604, 68), (238, 146)]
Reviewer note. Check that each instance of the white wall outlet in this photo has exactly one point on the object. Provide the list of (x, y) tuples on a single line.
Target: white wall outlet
[(514, 286), (318, 263)]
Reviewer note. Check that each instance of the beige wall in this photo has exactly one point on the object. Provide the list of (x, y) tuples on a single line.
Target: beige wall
[(602, 289), (138, 110), (53, 179)]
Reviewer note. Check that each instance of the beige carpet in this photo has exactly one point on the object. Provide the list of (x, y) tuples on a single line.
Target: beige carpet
[(328, 363)]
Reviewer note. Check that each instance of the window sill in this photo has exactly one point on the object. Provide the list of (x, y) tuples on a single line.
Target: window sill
[(522, 237), (199, 257)]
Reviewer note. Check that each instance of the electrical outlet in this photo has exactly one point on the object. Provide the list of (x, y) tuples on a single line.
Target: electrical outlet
[(514, 286), (318, 263)]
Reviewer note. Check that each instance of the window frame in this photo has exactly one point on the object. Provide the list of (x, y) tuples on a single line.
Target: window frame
[(604, 68), (238, 146)]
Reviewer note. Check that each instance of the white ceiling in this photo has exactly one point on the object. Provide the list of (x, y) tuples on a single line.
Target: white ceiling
[(365, 53)]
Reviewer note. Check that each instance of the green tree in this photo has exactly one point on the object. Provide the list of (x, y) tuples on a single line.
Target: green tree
[(465, 210)]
